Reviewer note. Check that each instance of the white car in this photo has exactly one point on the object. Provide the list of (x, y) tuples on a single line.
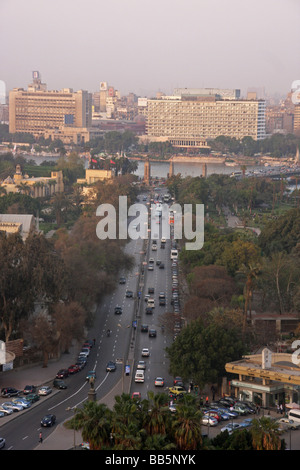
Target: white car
[(230, 427), (13, 406), (22, 401), (209, 421), (2, 442), (6, 411), (141, 365), (145, 352), (159, 382), (45, 390)]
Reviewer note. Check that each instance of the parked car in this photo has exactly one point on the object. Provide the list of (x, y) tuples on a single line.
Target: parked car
[(230, 427), (286, 423), (209, 421), (48, 420), (29, 389), (45, 390), (214, 414), (111, 366), (2, 414), (22, 401), (6, 411), (32, 397), (10, 392), (2, 442), (13, 406), (62, 374), (73, 369), (85, 351), (240, 409), (59, 383)]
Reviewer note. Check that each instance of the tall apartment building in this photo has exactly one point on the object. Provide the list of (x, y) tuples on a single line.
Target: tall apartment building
[(37, 110), (188, 119), (297, 120)]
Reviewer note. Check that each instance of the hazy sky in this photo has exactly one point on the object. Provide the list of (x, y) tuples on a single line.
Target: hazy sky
[(145, 46)]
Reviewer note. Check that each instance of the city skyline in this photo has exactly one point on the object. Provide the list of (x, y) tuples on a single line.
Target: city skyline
[(145, 47)]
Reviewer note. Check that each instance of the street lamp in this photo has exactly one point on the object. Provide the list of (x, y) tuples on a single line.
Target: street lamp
[(74, 411)]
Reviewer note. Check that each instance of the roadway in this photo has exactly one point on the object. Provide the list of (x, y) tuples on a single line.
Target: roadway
[(21, 434)]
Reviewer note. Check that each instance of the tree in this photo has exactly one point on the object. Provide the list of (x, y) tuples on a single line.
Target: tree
[(94, 421), (265, 434), (187, 426), (200, 351)]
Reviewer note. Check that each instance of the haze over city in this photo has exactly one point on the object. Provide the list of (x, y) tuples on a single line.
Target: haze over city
[(150, 46)]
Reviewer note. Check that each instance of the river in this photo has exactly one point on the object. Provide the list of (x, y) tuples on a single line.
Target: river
[(161, 169)]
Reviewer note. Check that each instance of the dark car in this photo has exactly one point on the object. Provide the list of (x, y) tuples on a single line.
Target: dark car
[(32, 397), (129, 294), (60, 384), (111, 366), (152, 333), (29, 389), (161, 266), (118, 310), (144, 328), (122, 280), (10, 392), (149, 311), (62, 374), (48, 420), (150, 290)]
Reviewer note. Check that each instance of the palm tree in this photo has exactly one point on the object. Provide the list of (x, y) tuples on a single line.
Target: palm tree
[(187, 427), (94, 422), (125, 423), (265, 434), (159, 414), (251, 273)]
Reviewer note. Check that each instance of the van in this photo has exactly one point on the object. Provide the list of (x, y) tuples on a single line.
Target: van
[(294, 414), (139, 376), (150, 303)]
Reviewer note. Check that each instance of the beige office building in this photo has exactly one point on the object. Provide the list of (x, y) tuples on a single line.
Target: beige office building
[(37, 110), (193, 119)]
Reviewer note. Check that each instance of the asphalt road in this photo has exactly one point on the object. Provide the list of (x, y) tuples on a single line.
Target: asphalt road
[(21, 433)]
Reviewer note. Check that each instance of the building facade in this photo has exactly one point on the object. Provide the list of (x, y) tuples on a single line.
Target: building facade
[(36, 110), (268, 379), (34, 187), (197, 118)]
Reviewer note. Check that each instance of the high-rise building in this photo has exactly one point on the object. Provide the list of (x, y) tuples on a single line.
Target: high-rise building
[(297, 119), (188, 120), (36, 110)]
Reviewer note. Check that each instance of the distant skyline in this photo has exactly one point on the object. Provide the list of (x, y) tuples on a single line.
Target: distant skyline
[(149, 46)]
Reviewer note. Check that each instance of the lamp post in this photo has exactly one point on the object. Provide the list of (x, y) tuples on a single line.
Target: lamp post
[(74, 411)]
